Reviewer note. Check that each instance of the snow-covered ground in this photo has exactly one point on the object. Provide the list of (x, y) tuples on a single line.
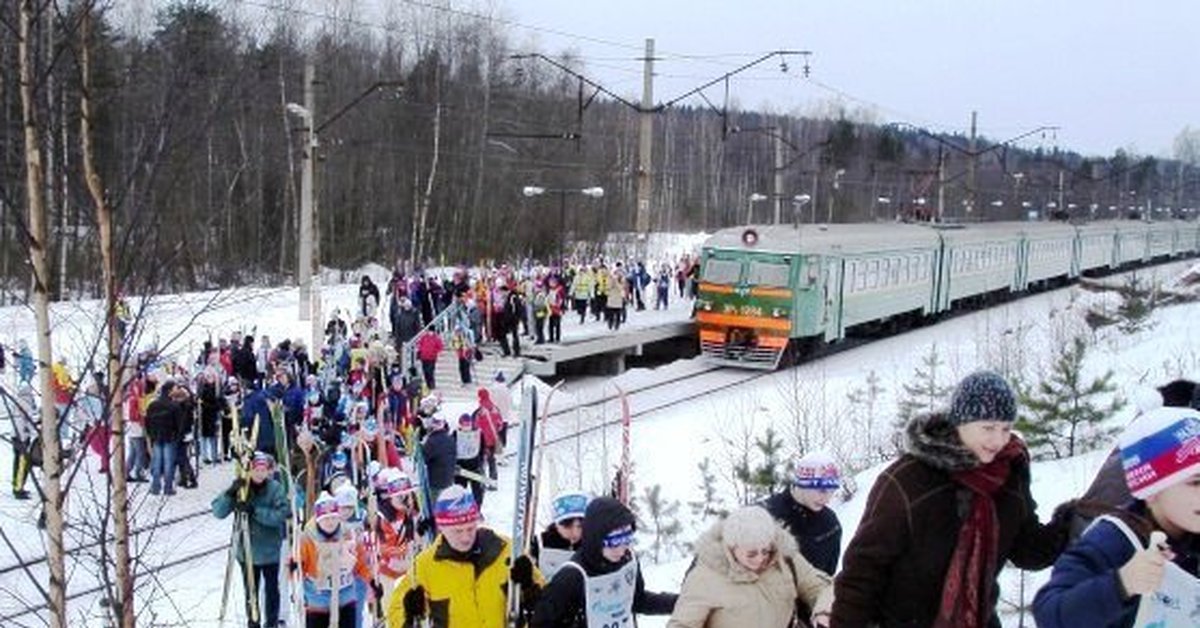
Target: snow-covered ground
[(667, 445)]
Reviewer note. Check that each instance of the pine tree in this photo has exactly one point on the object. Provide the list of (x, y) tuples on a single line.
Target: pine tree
[(1062, 413), (1136, 305), (765, 477), (864, 404), (924, 393), (710, 502), (663, 520)]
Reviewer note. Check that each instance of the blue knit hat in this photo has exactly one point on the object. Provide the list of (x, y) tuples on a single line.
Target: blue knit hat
[(983, 396), (570, 506)]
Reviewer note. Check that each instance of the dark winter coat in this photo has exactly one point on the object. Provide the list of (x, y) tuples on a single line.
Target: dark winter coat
[(164, 420), (550, 538), (408, 324), (895, 565), (441, 456), (817, 534), (561, 604), (245, 364), (211, 404), (254, 406), (1084, 589), (267, 521)]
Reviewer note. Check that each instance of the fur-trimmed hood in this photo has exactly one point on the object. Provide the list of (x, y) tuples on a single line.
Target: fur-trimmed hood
[(712, 552), (932, 439)]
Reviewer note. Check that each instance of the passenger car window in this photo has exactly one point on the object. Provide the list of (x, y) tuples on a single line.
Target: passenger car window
[(722, 270), (768, 275)]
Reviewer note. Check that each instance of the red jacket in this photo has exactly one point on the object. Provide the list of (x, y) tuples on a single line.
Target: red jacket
[(429, 346), (488, 419)]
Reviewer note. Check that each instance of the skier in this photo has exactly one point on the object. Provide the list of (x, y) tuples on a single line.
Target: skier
[(749, 572), (462, 579), (555, 304), (441, 453), (163, 420), (332, 560), (942, 520), (397, 528), (803, 510), (1100, 580), (602, 583), (469, 447), (490, 423), (266, 506), (429, 345), (560, 540), (23, 411), (581, 291), (368, 297)]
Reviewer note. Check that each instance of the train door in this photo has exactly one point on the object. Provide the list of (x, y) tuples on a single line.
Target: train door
[(833, 281)]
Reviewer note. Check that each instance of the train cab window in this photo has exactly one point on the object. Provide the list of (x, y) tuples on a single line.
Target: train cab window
[(722, 271), (768, 274)]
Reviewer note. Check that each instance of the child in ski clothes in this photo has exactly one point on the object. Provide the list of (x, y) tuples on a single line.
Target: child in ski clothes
[(332, 560), (469, 448), (602, 583), (1115, 566), (396, 528), (464, 350), (749, 572), (462, 579), (429, 345), (560, 540), (490, 422), (267, 511), (803, 510), (943, 519)]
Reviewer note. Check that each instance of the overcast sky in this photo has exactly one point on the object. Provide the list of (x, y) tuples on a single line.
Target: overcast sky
[(1111, 73)]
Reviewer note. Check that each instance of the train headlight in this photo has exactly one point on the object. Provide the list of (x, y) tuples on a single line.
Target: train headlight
[(777, 313), (707, 305)]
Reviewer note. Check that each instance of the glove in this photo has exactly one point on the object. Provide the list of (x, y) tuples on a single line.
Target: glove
[(522, 572), (1064, 513), (424, 525), (233, 489), (377, 589), (246, 507), (414, 602)]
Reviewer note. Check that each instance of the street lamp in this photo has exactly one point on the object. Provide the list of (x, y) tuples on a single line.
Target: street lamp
[(798, 201), (754, 198), (535, 190)]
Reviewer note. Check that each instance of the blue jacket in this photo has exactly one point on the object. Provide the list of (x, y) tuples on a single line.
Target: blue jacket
[(267, 523), (255, 406), (1084, 589)]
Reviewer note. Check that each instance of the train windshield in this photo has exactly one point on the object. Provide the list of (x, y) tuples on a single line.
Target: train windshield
[(722, 271), (768, 275)]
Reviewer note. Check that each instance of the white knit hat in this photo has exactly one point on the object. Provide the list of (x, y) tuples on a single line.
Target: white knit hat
[(749, 526)]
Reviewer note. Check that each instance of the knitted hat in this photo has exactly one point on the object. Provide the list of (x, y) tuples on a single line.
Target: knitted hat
[(325, 507), (817, 470), (346, 496), (570, 506), (339, 459), (397, 484), (1160, 449), (262, 460), (748, 526), (455, 506), (466, 420), (982, 396)]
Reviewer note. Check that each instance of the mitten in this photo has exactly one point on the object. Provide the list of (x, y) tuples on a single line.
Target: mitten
[(414, 602)]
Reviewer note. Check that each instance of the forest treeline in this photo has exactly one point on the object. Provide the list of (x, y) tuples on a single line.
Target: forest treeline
[(201, 160)]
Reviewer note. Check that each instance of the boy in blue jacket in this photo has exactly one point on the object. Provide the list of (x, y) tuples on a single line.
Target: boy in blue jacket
[(1101, 579)]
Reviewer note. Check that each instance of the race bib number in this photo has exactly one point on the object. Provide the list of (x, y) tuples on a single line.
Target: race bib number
[(608, 599), (469, 444), (1176, 604), (551, 560)]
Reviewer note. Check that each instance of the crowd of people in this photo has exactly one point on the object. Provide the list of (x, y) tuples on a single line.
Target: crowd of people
[(355, 483)]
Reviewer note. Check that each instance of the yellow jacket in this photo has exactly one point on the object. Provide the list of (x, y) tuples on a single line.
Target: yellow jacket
[(458, 597)]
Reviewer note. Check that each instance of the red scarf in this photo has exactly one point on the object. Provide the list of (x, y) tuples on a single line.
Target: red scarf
[(967, 590)]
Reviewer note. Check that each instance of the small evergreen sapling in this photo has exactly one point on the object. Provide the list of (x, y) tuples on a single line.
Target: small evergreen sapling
[(1063, 413)]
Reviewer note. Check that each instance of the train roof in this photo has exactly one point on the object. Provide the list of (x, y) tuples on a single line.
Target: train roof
[(845, 238)]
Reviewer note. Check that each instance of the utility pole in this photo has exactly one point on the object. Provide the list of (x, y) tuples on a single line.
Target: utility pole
[(304, 269), (1062, 206), (645, 142), (778, 174), (973, 156), (941, 180)]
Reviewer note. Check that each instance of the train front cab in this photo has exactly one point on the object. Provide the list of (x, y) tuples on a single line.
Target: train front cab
[(744, 307)]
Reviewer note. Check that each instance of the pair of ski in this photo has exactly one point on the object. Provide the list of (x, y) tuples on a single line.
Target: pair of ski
[(529, 471), (243, 451)]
